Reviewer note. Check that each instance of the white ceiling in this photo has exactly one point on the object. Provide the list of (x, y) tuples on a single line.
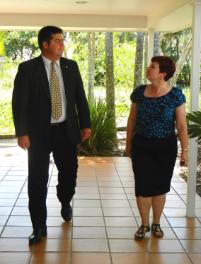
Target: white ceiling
[(97, 14)]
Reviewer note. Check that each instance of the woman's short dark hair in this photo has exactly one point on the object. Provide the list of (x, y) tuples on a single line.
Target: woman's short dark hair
[(166, 65), (45, 34)]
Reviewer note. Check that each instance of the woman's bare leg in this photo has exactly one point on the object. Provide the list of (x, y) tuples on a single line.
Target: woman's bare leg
[(158, 203), (144, 205)]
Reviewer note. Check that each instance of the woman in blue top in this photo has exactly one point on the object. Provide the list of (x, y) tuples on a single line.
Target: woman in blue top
[(151, 141)]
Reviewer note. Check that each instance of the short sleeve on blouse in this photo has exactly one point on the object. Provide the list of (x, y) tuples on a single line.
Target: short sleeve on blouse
[(180, 97), (135, 96)]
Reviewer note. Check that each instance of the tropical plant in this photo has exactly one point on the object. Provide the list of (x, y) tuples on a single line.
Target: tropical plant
[(103, 139), (109, 65), (194, 125), (91, 64), (139, 59)]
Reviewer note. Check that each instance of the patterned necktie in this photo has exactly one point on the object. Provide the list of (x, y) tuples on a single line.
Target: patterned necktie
[(55, 93)]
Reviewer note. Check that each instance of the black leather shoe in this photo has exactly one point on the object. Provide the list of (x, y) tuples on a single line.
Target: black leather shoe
[(66, 212), (37, 236)]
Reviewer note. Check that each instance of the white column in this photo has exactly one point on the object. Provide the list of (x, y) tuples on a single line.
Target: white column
[(195, 87), (150, 44)]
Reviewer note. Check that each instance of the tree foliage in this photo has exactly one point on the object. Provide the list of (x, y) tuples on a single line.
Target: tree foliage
[(21, 44)]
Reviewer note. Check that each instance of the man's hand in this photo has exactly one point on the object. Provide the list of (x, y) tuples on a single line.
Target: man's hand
[(23, 142), (85, 134)]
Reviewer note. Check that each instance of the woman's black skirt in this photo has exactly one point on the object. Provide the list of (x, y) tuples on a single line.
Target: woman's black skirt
[(153, 162)]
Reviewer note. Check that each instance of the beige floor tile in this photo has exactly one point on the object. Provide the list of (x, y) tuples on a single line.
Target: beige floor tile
[(86, 203), (14, 244), (174, 212), (52, 245), (3, 219), (82, 178), (115, 203), (111, 190), (14, 258), (87, 184), (55, 221), (89, 232), (9, 195), (86, 196), (129, 258), (5, 210), (13, 183), (50, 258), (175, 204), (88, 221), (173, 197), (15, 178), (181, 258), (113, 196), (90, 258), (192, 246), (163, 221), (109, 184), (87, 212), (53, 203), (120, 221), (164, 246), (188, 233), (54, 211), (168, 234), (87, 190), (196, 258), (117, 212), (7, 202), (61, 232), (130, 191), (22, 202), (183, 222), (17, 231), (121, 232), (19, 221), (139, 258), (20, 210), (127, 245), (108, 178), (89, 245), (128, 184), (11, 189)]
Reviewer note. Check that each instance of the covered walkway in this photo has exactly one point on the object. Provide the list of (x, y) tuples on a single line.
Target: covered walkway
[(105, 217)]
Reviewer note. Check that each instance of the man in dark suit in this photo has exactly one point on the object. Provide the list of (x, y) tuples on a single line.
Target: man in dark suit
[(51, 114)]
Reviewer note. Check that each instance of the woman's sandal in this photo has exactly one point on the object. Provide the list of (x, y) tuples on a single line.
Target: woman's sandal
[(140, 234), (156, 230)]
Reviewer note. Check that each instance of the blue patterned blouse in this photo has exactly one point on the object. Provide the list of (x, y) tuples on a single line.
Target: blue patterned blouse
[(156, 115)]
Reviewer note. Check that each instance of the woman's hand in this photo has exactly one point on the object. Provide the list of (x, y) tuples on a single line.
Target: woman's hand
[(184, 158)]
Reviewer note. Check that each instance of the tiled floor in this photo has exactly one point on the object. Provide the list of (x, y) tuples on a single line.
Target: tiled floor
[(105, 218)]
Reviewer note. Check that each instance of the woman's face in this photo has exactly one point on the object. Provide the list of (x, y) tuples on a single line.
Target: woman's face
[(153, 72)]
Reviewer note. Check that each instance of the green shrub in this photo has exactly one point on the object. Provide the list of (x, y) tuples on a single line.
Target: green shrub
[(103, 140), (194, 124), (6, 120)]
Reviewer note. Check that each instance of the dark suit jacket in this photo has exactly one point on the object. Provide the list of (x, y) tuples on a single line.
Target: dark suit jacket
[(32, 102)]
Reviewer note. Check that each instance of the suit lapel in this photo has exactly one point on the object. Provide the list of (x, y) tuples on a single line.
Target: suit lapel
[(43, 76), (65, 73)]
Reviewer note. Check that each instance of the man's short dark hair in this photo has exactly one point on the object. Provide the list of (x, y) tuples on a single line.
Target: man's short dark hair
[(45, 34)]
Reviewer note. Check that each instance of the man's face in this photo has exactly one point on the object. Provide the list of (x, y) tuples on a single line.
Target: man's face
[(55, 47)]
